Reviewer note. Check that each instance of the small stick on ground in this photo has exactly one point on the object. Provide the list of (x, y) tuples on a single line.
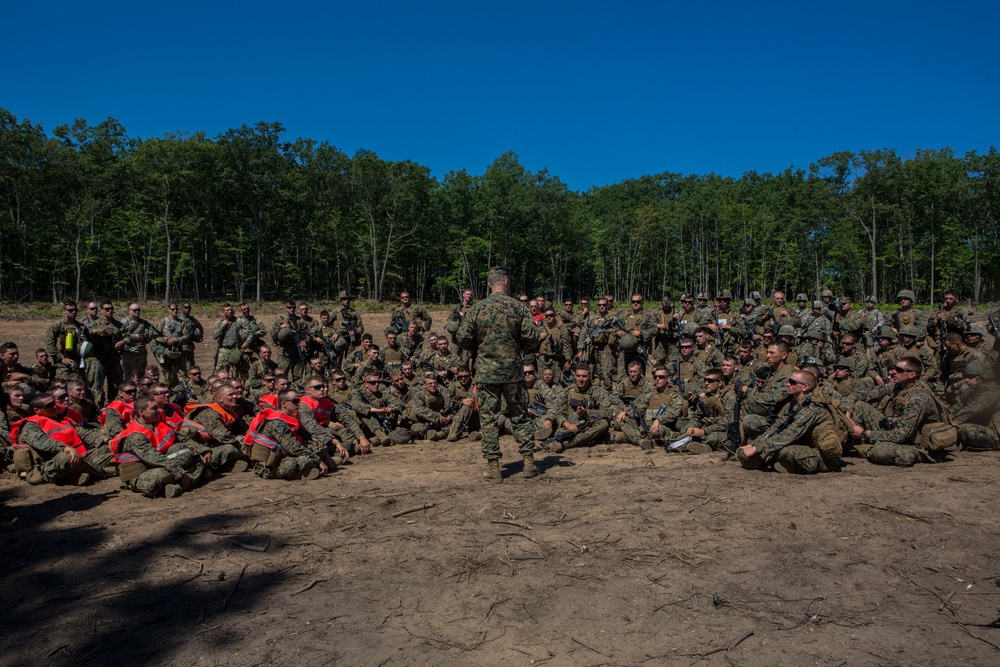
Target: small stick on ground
[(225, 600), (425, 506), (252, 547), (589, 648), (308, 586), (514, 523), (581, 547)]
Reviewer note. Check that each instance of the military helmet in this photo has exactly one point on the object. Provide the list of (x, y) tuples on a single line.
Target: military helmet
[(975, 329), (628, 342), (826, 292), (811, 361), (756, 296), (977, 367), (235, 357), (86, 349), (886, 331), (172, 352), (725, 294), (345, 294), (285, 336), (909, 330), (786, 330), (818, 304), (687, 297), (801, 297), (340, 344), (702, 296), (906, 294), (871, 299), (844, 300), (749, 302)]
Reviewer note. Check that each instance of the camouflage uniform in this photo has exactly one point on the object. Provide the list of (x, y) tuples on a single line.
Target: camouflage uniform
[(425, 410), (788, 441), (381, 429), (603, 356), (294, 460), (137, 333), (255, 376), (196, 334), (44, 459), (977, 416), (602, 408), (815, 337), (645, 322), (556, 349), (498, 330), (895, 432), (715, 418), (105, 363), (154, 470), (761, 405), (648, 405), (172, 369), (55, 337), (414, 312), (234, 338), (467, 417), (286, 349), (665, 340)]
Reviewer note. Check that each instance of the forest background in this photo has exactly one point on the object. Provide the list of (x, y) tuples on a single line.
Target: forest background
[(91, 212)]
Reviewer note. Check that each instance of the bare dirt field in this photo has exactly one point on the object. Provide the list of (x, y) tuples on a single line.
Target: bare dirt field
[(612, 557)]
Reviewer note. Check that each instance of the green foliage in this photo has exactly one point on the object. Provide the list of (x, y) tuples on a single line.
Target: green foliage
[(90, 211)]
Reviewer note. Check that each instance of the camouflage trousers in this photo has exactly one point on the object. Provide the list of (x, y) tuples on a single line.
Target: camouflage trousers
[(224, 457), (172, 371), (133, 363), (604, 362), (383, 434), (795, 459), (510, 400), (466, 418), (290, 467), (94, 374), (59, 469), (597, 430), (976, 438), (754, 425), (154, 481)]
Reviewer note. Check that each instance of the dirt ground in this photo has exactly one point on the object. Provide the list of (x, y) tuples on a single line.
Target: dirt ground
[(612, 557)]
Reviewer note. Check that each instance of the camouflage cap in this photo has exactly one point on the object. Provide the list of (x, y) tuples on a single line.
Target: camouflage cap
[(839, 364), (787, 330), (906, 294), (975, 329), (844, 300), (818, 304), (871, 299), (977, 367), (801, 297), (909, 330), (886, 332), (756, 296), (725, 294)]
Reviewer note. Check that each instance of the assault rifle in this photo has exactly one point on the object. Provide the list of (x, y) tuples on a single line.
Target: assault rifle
[(638, 418), (376, 417), (562, 435), (733, 430), (399, 323), (537, 409), (330, 352), (942, 333)]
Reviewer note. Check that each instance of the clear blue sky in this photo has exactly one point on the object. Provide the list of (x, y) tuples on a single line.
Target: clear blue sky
[(594, 92)]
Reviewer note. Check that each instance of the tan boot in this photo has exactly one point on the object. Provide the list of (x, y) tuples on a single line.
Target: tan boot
[(492, 473), (530, 467)]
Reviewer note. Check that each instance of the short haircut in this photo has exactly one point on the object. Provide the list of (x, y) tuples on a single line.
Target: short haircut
[(142, 403), (913, 364), (42, 400), (286, 395)]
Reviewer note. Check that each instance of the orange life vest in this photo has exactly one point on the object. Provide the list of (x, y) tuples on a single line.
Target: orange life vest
[(63, 431), (124, 409), (321, 409), (254, 435)]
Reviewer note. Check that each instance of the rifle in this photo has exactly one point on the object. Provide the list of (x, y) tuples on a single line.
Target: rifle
[(378, 418), (218, 344), (638, 418), (993, 328), (942, 333), (881, 369), (677, 380), (562, 435), (399, 323), (330, 353), (186, 395), (733, 430), (300, 338), (537, 409)]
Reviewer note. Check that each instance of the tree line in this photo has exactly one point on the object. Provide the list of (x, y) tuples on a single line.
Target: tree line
[(251, 215)]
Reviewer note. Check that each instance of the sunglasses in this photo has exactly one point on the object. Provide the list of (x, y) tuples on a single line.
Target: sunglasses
[(900, 369), (60, 397), (128, 391), (293, 400), (661, 377), (640, 301), (793, 381), (158, 393), (316, 386)]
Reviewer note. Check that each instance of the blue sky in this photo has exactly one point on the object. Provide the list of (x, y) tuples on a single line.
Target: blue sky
[(594, 92)]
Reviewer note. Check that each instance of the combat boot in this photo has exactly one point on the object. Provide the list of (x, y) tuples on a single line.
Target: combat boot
[(492, 473), (530, 467)]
